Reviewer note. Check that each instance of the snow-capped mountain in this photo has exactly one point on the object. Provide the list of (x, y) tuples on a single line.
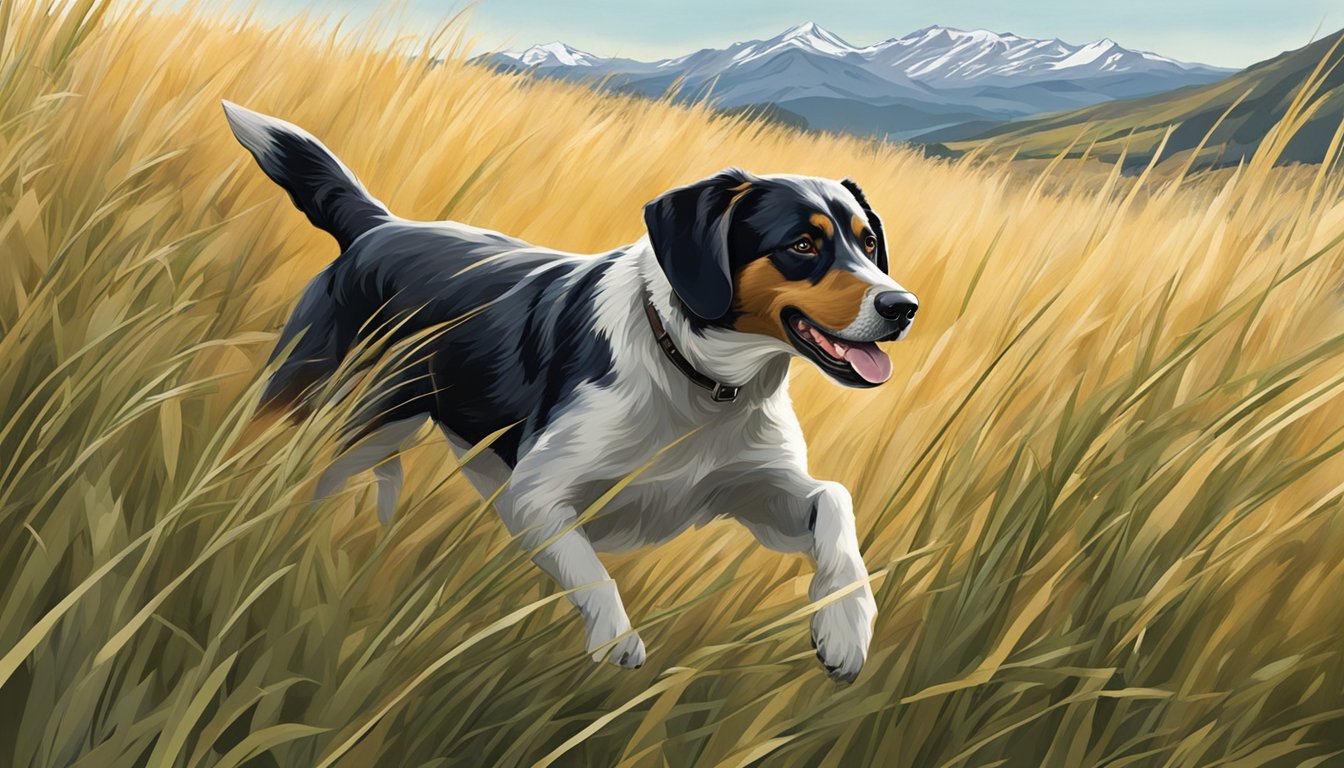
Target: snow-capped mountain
[(803, 37), (555, 54), (558, 58), (941, 55), (930, 78)]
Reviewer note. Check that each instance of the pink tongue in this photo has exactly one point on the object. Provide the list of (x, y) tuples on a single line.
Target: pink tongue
[(869, 362)]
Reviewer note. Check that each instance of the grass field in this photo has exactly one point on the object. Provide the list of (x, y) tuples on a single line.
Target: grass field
[(1101, 495)]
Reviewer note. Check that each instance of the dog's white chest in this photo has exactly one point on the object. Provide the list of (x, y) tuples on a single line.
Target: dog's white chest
[(666, 461), (666, 490)]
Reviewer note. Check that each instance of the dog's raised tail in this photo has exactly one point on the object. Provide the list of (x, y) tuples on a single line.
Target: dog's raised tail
[(319, 184)]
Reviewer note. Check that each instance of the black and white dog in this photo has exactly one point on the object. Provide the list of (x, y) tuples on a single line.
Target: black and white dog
[(603, 360)]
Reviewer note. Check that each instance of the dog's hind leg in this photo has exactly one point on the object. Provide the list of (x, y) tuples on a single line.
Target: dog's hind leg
[(486, 472), (378, 452), (389, 488)]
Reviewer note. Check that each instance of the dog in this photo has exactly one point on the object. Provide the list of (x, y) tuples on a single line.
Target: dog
[(673, 350)]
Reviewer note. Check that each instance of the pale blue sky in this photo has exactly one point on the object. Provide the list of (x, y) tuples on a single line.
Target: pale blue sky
[(1230, 33)]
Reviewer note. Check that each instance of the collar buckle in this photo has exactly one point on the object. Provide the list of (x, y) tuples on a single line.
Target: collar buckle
[(723, 393)]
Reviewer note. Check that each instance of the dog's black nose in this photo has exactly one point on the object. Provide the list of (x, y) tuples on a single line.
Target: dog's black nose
[(896, 305)]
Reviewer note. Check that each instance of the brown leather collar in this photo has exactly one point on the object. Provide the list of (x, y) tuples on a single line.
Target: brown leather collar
[(718, 391)]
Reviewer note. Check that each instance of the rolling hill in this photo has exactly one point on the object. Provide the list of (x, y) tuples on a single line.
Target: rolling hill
[(1236, 114)]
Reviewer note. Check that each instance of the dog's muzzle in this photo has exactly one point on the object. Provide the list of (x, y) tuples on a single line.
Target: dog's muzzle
[(886, 315)]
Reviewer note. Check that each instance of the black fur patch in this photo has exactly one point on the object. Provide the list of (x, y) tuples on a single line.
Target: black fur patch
[(529, 341)]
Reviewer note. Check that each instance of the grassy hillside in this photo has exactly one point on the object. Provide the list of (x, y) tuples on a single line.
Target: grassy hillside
[(1213, 125), (1100, 496)]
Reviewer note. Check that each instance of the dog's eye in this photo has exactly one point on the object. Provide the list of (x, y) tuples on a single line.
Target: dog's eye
[(869, 243), (804, 245)]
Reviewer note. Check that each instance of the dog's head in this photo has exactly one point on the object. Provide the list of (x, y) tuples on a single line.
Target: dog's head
[(794, 258)]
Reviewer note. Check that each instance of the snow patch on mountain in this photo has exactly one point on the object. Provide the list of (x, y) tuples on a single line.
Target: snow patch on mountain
[(555, 54)]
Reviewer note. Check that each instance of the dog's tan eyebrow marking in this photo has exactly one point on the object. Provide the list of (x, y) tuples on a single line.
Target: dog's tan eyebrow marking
[(823, 222), (857, 224), (739, 192)]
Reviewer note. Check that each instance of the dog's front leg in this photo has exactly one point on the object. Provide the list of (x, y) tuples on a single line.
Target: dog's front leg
[(562, 550), (841, 629), (789, 511)]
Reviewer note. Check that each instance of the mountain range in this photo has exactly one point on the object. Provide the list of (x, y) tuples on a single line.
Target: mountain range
[(937, 78)]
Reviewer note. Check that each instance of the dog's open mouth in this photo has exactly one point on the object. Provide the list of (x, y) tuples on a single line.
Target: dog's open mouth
[(855, 363)]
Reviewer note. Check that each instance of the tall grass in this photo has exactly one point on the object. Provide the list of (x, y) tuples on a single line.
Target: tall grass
[(1101, 496)]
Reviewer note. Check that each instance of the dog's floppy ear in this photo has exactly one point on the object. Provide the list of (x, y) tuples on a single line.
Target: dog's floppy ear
[(873, 221), (688, 229)]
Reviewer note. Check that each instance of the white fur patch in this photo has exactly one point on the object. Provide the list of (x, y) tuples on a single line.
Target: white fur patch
[(254, 130)]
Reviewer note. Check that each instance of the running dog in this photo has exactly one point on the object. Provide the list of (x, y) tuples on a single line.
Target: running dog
[(681, 339)]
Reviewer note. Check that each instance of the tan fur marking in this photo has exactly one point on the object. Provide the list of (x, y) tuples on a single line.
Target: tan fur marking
[(823, 222), (761, 293), (740, 190), (857, 225)]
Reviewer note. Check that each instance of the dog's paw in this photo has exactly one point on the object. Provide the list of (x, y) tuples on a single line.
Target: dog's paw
[(627, 650), (841, 632)]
